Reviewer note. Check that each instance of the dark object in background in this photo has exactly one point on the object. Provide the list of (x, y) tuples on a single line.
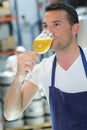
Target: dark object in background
[(76, 3)]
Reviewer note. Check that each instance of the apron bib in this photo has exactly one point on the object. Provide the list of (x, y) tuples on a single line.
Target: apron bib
[(68, 110)]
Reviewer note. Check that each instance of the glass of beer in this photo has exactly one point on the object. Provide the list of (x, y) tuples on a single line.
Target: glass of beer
[(42, 42)]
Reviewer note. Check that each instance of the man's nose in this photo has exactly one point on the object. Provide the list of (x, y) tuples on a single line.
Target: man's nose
[(50, 29)]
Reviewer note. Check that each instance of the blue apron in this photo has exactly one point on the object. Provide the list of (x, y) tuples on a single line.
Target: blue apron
[(68, 110)]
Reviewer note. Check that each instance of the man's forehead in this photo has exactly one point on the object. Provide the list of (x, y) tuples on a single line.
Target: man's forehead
[(52, 16)]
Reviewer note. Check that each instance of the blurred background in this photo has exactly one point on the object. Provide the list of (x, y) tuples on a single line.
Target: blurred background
[(20, 23)]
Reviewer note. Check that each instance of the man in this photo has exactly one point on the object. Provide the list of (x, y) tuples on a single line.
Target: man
[(11, 63), (62, 76)]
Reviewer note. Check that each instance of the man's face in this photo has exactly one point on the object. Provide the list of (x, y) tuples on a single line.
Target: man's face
[(57, 23)]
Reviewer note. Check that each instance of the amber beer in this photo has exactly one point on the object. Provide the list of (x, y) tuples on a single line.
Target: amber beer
[(42, 42), (41, 46)]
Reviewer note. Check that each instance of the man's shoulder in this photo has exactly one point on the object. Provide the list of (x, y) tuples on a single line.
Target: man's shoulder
[(84, 49), (46, 62), (48, 59)]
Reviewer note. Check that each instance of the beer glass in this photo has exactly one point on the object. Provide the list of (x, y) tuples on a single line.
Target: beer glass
[(42, 42), (41, 45)]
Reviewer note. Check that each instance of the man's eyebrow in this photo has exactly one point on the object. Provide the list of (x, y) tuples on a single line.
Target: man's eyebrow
[(57, 21)]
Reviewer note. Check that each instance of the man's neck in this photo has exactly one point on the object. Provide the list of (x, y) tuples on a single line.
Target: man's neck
[(67, 57)]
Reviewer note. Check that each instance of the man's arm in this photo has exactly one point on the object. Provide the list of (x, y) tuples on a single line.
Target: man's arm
[(20, 94), (17, 99)]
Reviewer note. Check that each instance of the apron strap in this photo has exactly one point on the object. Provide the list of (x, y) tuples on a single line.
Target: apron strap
[(83, 60), (53, 72)]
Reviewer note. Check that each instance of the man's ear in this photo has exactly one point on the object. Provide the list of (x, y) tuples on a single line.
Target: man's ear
[(75, 28)]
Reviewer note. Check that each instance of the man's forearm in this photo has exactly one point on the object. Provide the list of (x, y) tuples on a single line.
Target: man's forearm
[(12, 102)]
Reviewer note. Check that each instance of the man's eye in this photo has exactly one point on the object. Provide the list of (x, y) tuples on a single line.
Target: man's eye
[(44, 26), (56, 24)]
